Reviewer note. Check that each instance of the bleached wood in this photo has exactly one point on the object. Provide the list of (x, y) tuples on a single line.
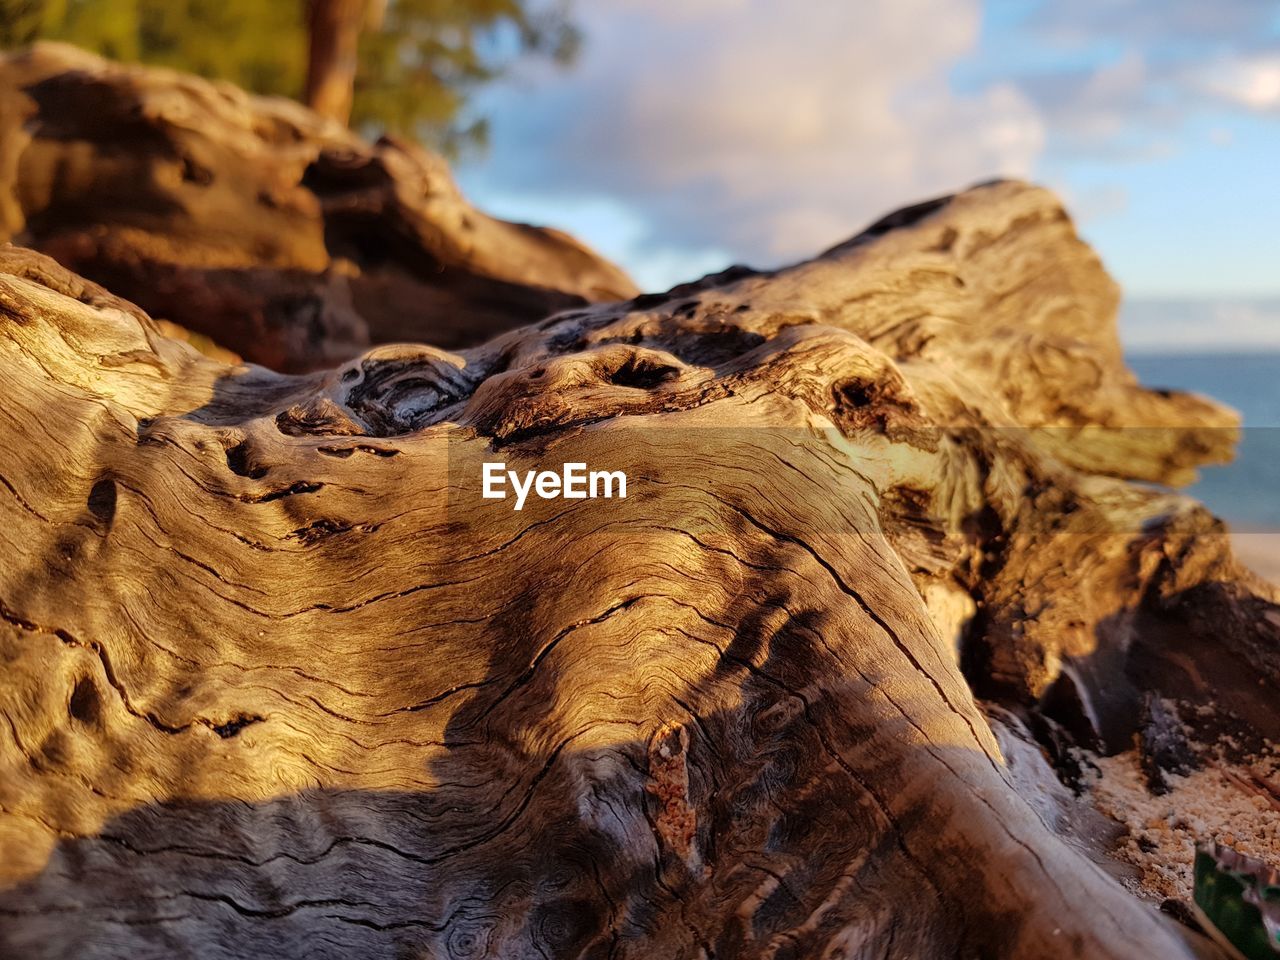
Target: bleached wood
[(276, 231), (278, 683)]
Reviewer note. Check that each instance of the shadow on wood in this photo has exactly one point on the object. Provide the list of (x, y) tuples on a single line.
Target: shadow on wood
[(279, 234), (279, 680)]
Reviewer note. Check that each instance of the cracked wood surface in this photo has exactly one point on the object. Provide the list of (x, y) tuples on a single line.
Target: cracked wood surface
[(279, 234), (278, 683)]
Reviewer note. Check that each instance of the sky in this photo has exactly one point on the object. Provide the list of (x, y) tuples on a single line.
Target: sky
[(692, 134)]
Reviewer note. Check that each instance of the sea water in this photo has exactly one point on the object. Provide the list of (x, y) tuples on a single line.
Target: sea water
[(1245, 493)]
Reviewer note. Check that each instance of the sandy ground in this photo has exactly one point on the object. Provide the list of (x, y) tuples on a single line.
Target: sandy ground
[(1230, 803), (1260, 552)]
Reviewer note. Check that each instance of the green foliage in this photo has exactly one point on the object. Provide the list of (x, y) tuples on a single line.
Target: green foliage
[(418, 68), (420, 60)]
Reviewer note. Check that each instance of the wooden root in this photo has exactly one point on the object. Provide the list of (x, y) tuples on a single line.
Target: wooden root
[(279, 682)]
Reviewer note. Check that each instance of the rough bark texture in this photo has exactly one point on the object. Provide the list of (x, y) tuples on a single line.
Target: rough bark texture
[(279, 683), (281, 235)]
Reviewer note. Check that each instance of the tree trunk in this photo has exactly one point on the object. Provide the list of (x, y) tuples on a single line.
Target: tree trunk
[(252, 222), (333, 40), (281, 682)]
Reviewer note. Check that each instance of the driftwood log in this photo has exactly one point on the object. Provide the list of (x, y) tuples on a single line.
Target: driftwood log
[(279, 682), (279, 234)]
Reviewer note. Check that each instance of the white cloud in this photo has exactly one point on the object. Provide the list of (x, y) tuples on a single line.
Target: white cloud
[(772, 129), (1200, 325), (1251, 82), (762, 131), (1098, 201), (614, 228), (1116, 76)]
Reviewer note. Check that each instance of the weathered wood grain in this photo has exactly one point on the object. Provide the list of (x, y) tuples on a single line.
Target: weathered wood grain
[(280, 234), (277, 682)]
